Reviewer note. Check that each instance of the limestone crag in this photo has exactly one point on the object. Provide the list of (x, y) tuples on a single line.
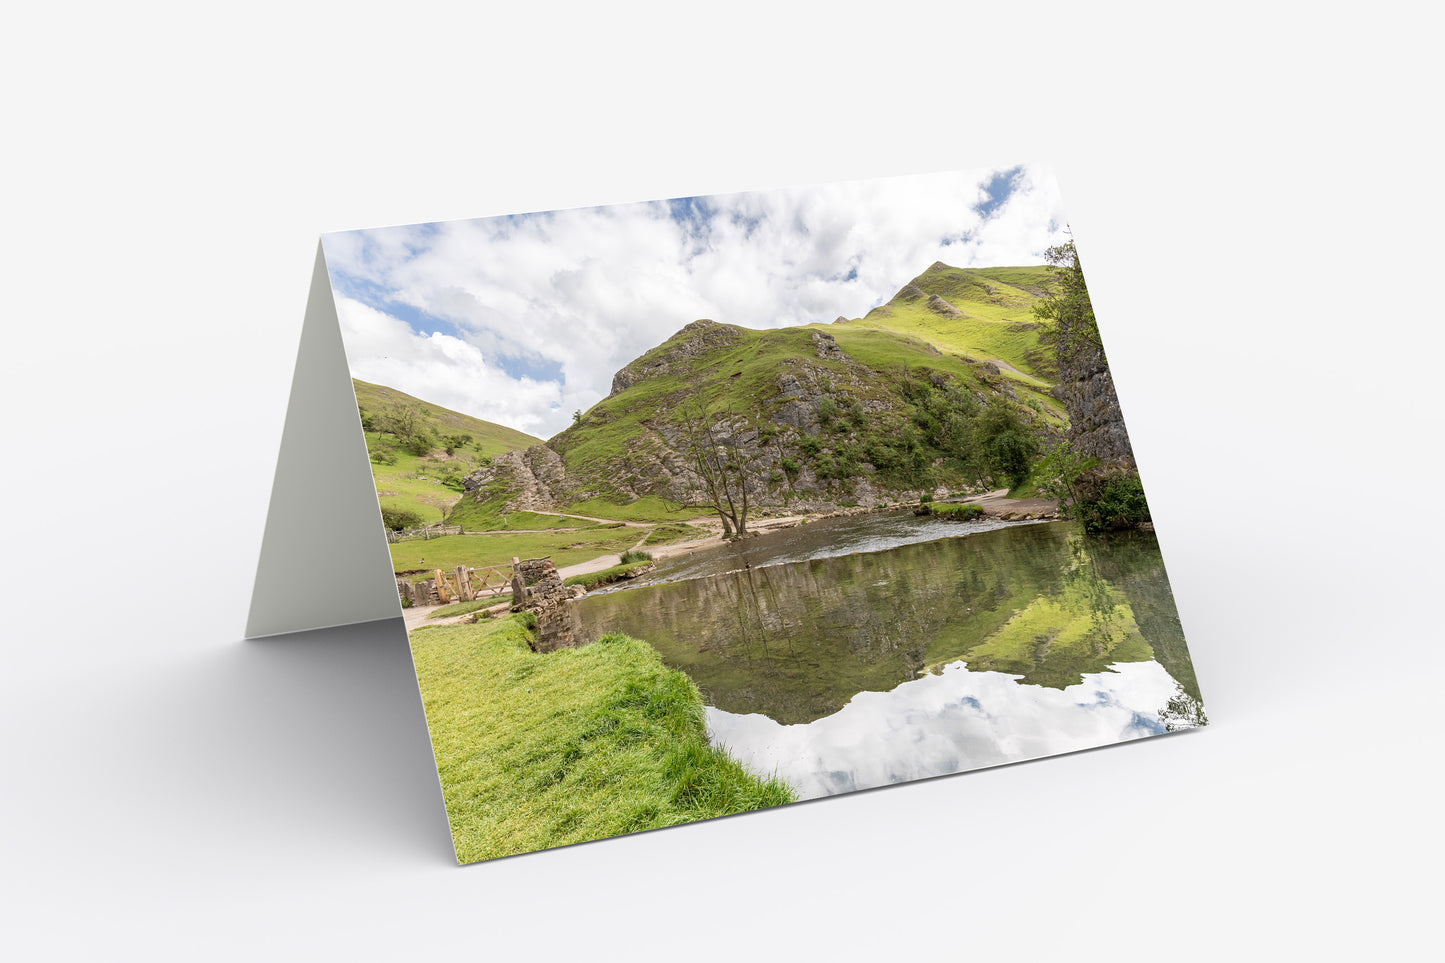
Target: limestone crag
[(532, 477), (827, 347), (1096, 423)]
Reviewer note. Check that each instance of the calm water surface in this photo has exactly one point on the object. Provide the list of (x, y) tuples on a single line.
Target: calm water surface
[(861, 652)]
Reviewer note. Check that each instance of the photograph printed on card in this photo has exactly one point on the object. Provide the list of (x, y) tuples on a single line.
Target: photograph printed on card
[(712, 504)]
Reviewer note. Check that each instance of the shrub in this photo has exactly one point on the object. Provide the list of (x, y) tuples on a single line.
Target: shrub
[(395, 519), (634, 555), (810, 446), (1110, 499), (925, 498), (420, 443)]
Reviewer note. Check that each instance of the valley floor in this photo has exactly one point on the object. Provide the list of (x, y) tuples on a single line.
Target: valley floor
[(995, 503)]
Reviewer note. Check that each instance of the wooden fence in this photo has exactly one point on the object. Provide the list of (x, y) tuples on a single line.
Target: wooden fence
[(462, 584)]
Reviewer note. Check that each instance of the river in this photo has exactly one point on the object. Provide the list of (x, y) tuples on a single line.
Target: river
[(865, 651)]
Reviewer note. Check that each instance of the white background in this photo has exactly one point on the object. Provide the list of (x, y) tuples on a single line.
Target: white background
[(1256, 191)]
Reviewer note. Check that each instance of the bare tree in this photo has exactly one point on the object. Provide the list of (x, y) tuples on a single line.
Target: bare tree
[(720, 465)]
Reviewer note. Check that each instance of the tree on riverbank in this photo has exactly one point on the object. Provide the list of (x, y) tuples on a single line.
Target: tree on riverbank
[(717, 460)]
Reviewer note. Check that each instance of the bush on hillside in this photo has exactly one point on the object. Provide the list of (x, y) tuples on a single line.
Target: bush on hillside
[(396, 519)]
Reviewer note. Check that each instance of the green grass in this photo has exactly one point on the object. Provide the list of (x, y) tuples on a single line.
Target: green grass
[(607, 576), (674, 532), (993, 324), (962, 513), (399, 486), (487, 438), (461, 608), (537, 750), (564, 548), (487, 516), (649, 508)]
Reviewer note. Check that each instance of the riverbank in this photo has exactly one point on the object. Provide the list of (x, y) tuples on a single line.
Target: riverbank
[(536, 751), (995, 504)]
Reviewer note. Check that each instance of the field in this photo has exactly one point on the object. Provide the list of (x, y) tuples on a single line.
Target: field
[(564, 548)]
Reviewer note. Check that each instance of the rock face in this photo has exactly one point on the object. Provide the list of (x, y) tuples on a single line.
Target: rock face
[(537, 588), (940, 306), (1096, 424), (827, 346), (533, 476)]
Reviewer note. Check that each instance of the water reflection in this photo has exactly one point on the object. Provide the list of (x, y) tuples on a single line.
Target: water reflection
[(950, 722), (932, 657), (829, 537)]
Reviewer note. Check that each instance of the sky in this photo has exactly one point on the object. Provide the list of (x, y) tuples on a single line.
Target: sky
[(523, 319)]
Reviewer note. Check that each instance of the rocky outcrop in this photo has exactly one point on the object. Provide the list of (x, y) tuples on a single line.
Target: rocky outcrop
[(1096, 423), (939, 306), (826, 346), (532, 477)]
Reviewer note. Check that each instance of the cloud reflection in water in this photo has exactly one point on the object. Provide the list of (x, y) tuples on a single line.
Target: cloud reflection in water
[(950, 722)]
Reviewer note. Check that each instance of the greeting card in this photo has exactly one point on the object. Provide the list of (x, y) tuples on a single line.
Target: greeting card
[(711, 504)]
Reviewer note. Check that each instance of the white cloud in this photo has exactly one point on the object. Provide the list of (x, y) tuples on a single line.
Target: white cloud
[(441, 369), (585, 291)]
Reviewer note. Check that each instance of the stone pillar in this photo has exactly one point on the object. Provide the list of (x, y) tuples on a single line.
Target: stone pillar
[(519, 584), (543, 593)]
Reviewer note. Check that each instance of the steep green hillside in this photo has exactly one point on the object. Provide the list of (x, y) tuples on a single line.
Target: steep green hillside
[(980, 313), (421, 451)]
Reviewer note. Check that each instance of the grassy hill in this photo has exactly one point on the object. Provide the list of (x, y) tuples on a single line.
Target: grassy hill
[(426, 478), (979, 313), (487, 438), (894, 400)]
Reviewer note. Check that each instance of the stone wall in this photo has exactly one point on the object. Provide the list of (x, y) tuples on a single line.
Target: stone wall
[(537, 588)]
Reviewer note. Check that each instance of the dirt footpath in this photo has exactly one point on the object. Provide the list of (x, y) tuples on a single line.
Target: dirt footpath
[(998, 503)]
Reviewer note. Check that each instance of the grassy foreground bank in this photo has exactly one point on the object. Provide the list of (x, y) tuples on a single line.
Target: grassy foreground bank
[(537, 750)]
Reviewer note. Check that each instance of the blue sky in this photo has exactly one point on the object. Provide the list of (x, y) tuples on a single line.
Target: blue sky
[(522, 319)]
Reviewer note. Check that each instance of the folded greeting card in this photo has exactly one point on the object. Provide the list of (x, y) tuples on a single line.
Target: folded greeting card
[(712, 504)]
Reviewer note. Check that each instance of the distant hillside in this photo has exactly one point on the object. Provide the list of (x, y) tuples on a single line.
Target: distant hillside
[(420, 451), (487, 438), (911, 397)]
